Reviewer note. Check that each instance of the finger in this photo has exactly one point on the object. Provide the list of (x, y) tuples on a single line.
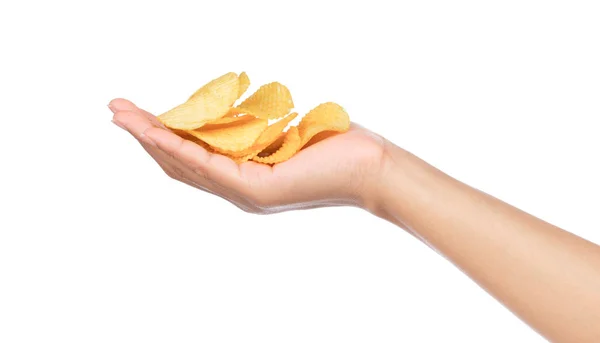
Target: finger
[(138, 125), (172, 168), (135, 123), (120, 104), (174, 161), (213, 167), (175, 170)]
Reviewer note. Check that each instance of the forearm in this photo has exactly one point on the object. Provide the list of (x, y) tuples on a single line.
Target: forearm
[(545, 275)]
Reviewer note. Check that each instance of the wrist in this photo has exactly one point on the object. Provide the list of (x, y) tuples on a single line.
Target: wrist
[(402, 179), (375, 197)]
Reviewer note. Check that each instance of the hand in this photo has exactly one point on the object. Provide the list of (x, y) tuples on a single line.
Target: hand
[(336, 171)]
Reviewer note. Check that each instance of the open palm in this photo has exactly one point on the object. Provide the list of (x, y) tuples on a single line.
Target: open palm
[(335, 171)]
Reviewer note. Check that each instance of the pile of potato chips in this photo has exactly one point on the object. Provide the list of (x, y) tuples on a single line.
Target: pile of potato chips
[(210, 119)]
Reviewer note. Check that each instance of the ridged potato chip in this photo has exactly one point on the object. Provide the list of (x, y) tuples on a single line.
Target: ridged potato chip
[(273, 132), (267, 137), (234, 111), (327, 116), (234, 136), (226, 120), (273, 146), (291, 144), (319, 137), (216, 84), (270, 101), (242, 159), (210, 119), (244, 83), (189, 137), (210, 102)]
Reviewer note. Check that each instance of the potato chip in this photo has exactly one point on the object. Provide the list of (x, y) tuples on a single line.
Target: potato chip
[(327, 116), (226, 120), (319, 137), (266, 138), (209, 119), (244, 83), (272, 132), (273, 146), (234, 136), (270, 101), (215, 84), (189, 137), (234, 111), (244, 158), (291, 145), (210, 102)]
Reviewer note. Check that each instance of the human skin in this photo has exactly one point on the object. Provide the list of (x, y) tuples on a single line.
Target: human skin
[(545, 275)]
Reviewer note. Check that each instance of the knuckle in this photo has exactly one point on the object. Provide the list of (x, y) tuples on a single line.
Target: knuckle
[(170, 154), (169, 171), (205, 177), (172, 175), (178, 172), (202, 173), (176, 151), (261, 201)]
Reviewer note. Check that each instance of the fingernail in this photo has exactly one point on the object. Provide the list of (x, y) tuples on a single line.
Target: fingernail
[(147, 140), (119, 124), (111, 108)]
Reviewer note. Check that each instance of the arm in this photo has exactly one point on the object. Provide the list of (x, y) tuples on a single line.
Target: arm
[(548, 277)]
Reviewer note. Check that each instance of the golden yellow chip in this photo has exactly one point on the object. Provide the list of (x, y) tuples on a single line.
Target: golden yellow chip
[(216, 84), (274, 130), (242, 133), (189, 137), (319, 137), (210, 102), (270, 101), (273, 146), (234, 136), (266, 137), (226, 120), (244, 83), (244, 158), (328, 116), (234, 111), (291, 145)]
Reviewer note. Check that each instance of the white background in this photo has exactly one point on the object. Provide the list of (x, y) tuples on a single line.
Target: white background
[(97, 244)]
